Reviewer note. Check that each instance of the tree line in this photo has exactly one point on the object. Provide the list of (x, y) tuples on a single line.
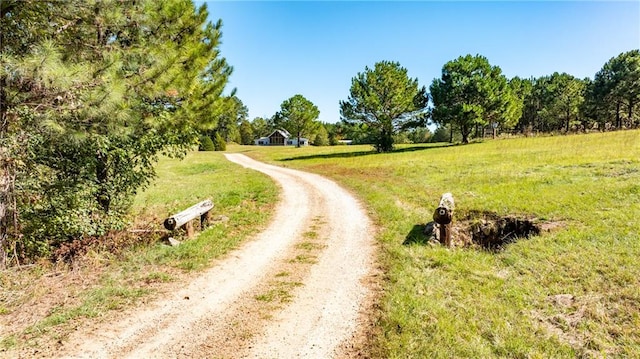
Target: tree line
[(471, 99)]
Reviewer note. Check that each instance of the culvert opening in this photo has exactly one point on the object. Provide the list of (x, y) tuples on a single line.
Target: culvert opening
[(487, 230)]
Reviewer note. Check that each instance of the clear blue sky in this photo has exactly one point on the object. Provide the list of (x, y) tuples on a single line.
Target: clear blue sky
[(279, 49)]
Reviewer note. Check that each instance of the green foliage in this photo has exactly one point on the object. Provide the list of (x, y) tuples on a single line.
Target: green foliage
[(322, 137), (233, 115), (614, 95), (219, 144), (472, 93), (243, 195), (94, 92), (562, 100), (441, 134), (206, 144), (260, 127), (246, 132), (402, 137), (419, 135), (386, 100), (299, 116)]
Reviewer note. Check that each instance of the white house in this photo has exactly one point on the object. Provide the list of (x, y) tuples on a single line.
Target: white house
[(294, 141), (281, 138)]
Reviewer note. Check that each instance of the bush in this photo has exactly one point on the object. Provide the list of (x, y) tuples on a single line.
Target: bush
[(206, 144), (320, 140), (219, 143), (441, 134)]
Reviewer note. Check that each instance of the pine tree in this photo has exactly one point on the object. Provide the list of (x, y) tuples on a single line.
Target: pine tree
[(386, 100), (114, 85), (472, 94), (299, 116)]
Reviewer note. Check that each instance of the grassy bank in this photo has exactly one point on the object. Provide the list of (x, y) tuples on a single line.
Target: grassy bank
[(574, 292), (40, 305)]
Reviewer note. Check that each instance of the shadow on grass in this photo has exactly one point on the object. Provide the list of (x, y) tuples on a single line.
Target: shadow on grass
[(365, 153), (416, 235)]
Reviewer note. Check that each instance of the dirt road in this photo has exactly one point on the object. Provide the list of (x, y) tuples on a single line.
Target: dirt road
[(297, 290)]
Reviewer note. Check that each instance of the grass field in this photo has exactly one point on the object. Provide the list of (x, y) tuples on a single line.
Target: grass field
[(571, 293)]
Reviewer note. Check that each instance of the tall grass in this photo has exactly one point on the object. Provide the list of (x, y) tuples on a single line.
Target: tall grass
[(574, 292)]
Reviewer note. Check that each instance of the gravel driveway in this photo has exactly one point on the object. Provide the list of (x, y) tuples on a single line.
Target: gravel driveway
[(299, 289)]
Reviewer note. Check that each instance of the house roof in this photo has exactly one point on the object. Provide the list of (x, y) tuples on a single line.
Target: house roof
[(284, 133)]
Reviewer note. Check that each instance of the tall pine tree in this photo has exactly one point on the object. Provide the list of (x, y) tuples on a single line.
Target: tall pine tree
[(114, 85)]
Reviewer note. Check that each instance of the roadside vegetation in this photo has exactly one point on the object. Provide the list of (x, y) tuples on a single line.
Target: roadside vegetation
[(40, 304), (572, 292)]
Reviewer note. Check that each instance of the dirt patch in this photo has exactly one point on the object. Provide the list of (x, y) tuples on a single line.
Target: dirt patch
[(491, 231), (483, 229)]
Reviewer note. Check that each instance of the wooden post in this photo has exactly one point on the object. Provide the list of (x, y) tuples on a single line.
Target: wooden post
[(443, 216), (184, 218), (188, 227), (204, 220)]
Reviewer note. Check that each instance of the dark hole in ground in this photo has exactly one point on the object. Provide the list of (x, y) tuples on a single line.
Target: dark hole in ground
[(483, 229), (491, 231)]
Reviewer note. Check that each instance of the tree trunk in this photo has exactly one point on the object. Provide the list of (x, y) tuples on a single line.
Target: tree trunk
[(618, 118), (8, 210), (631, 104), (298, 145), (8, 206), (4, 108), (465, 131), (102, 175)]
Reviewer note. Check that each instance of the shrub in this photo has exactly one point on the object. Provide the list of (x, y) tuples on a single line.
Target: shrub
[(219, 143), (206, 144)]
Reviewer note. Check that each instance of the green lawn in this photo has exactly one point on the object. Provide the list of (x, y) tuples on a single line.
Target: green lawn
[(571, 293)]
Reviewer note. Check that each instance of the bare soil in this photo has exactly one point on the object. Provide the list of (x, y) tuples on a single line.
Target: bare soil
[(303, 288)]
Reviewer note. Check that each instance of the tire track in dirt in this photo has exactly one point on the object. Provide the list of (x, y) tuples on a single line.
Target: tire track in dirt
[(219, 315)]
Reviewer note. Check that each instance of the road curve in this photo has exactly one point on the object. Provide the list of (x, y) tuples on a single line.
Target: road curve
[(320, 239)]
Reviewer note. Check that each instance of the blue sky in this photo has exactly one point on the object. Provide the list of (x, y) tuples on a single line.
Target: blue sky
[(279, 49)]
